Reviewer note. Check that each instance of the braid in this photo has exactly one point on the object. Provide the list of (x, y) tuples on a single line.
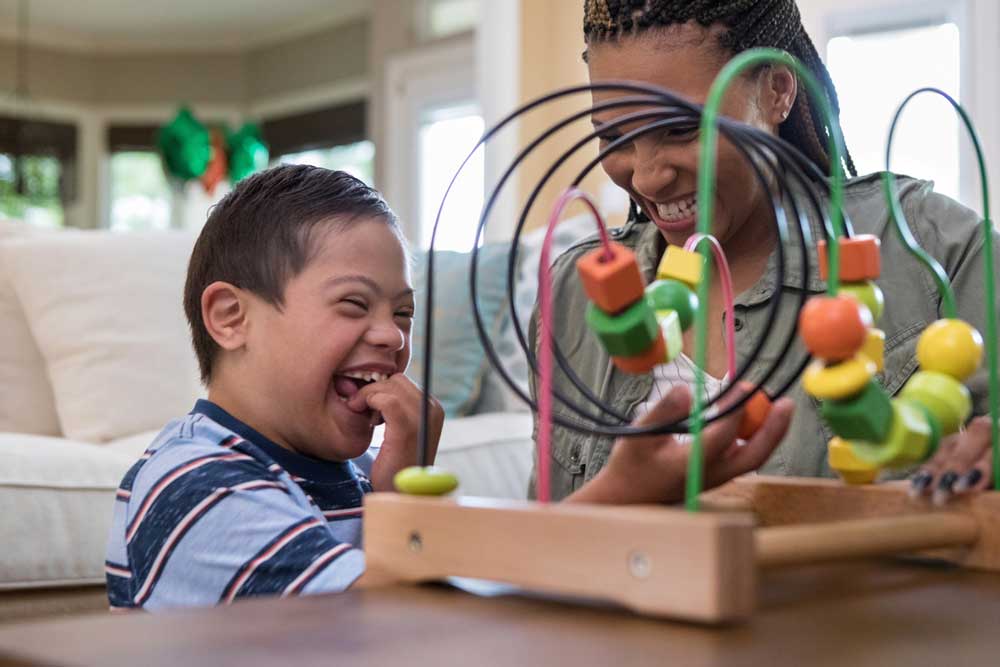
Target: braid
[(749, 24)]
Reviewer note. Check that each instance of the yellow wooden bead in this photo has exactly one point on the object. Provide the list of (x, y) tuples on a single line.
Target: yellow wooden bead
[(429, 481), (909, 441), (838, 381), (952, 347), (945, 397), (874, 348), (850, 468), (680, 264)]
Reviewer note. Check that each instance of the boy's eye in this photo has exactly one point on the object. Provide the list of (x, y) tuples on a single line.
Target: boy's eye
[(684, 132), (356, 303)]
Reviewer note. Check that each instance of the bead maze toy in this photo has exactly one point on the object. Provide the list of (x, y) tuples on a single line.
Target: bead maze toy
[(700, 563)]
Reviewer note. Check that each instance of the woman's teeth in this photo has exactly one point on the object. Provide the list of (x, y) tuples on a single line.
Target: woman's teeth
[(677, 210)]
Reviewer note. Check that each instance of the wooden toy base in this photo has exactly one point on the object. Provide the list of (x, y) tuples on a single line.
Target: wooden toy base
[(664, 561)]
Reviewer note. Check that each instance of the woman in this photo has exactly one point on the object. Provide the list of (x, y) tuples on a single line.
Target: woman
[(682, 46)]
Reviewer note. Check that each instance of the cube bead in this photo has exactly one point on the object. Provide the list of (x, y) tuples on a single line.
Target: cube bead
[(613, 284), (674, 295), (869, 294), (864, 416), (851, 469), (673, 337), (645, 362), (874, 348), (626, 334), (943, 396), (837, 381), (683, 265), (755, 412), (952, 347), (834, 328), (909, 440), (860, 259)]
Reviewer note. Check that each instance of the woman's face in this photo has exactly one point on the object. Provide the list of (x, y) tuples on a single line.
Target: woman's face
[(660, 168)]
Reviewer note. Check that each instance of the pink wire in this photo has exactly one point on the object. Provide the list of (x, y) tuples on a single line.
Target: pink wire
[(542, 486), (727, 295)]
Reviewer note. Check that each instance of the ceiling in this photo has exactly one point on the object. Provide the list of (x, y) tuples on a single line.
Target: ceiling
[(172, 25)]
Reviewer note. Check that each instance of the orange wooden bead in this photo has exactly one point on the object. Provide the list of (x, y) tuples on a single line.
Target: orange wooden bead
[(860, 259), (615, 284), (755, 413), (645, 362), (834, 328)]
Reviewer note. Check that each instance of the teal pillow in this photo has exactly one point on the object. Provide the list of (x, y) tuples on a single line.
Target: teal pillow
[(459, 359)]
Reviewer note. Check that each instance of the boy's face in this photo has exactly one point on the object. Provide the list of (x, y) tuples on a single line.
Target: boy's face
[(348, 313)]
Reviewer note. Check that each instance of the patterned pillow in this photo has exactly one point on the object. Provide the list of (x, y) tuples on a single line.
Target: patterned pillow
[(459, 360)]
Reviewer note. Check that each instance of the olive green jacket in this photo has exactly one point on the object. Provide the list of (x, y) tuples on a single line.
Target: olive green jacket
[(947, 230)]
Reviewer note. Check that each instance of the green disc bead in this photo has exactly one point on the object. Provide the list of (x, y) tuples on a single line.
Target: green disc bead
[(936, 435), (627, 334), (908, 441), (869, 294), (670, 325), (944, 397), (676, 296), (864, 416), (429, 481)]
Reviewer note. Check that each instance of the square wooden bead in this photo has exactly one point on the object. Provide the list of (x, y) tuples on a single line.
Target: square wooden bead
[(683, 265), (841, 457), (613, 284), (627, 334), (860, 259), (910, 440), (865, 416)]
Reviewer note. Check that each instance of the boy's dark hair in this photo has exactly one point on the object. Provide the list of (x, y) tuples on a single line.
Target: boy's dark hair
[(749, 24), (260, 236)]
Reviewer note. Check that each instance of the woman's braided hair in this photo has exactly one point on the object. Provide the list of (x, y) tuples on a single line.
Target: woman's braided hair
[(749, 24)]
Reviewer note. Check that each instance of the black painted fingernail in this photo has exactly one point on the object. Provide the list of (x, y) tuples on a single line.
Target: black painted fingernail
[(944, 488), (919, 482), (969, 480)]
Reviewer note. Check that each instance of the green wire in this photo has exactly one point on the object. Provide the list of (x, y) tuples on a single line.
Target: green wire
[(948, 297), (706, 204)]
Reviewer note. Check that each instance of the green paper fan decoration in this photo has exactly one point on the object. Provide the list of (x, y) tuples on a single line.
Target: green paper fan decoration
[(247, 152), (185, 146)]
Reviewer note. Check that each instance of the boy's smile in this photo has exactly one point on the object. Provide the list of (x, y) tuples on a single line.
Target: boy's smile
[(344, 324)]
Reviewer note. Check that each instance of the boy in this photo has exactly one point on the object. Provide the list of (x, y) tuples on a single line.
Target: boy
[(300, 307)]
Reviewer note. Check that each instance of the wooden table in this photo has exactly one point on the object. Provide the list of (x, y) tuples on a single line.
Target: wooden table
[(875, 613)]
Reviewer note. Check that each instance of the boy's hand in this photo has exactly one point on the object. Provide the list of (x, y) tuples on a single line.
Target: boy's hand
[(962, 464), (652, 469), (398, 400)]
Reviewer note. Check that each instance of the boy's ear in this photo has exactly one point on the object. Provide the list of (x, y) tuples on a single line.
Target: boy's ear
[(224, 312)]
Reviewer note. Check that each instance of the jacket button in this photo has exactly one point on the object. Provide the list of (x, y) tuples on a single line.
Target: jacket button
[(738, 324)]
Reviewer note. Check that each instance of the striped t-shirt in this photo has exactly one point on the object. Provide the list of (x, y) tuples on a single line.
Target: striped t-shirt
[(213, 511)]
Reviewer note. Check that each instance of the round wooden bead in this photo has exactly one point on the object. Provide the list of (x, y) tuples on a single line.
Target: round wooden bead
[(869, 294), (944, 397), (837, 381), (909, 440), (834, 328), (627, 334), (755, 412), (429, 481), (643, 363), (851, 469), (860, 258), (676, 296), (952, 347)]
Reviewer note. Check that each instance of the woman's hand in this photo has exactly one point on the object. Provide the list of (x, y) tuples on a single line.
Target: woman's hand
[(962, 464), (652, 469)]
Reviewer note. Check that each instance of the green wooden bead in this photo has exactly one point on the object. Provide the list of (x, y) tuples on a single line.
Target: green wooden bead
[(867, 293), (932, 421), (908, 442), (944, 397), (676, 296), (670, 325), (429, 481), (864, 416), (627, 334)]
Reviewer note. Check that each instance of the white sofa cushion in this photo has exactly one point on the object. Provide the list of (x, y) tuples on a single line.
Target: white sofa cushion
[(106, 311), (57, 498), (26, 401)]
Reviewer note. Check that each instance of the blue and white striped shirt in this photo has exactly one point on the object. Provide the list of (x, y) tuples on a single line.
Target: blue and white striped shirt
[(213, 511)]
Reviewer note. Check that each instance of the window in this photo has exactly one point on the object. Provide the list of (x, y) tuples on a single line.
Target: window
[(357, 159), (36, 198), (927, 140), (140, 194), (442, 18), (445, 137)]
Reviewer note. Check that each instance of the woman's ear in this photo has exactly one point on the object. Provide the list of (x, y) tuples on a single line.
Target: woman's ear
[(224, 312), (778, 92)]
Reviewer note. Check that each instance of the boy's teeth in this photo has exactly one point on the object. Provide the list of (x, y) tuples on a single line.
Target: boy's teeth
[(367, 376)]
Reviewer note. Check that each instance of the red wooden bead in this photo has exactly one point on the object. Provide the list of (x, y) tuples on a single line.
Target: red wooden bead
[(755, 412), (834, 328), (860, 259), (612, 284), (645, 362)]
